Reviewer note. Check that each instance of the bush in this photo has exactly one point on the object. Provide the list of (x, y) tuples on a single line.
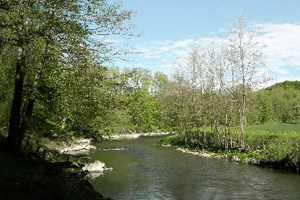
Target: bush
[(173, 140)]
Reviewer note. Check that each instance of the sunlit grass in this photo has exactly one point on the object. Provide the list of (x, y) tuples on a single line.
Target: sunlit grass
[(274, 127)]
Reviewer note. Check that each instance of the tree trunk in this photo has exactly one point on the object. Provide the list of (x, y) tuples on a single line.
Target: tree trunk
[(203, 137), (14, 140), (30, 104), (242, 121)]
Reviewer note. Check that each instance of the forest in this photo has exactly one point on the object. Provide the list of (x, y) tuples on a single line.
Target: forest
[(55, 81)]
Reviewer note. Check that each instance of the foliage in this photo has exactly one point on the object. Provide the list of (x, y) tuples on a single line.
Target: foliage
[(56, 50), (285, 85), (173, 140), (277, 104), (143, 110)]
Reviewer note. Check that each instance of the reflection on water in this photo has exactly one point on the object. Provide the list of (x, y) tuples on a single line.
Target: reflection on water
[(142, 170)]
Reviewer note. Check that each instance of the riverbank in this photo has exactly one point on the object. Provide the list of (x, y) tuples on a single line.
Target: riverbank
[(31, 176), (73, 153), (207, 154), (276, 148), (194, 152)]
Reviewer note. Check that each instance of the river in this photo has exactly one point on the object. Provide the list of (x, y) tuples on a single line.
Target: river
[(143, 170)]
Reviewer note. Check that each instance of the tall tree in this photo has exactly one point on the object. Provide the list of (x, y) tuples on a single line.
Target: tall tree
[(20, 28), (245, 57), (70, 35)]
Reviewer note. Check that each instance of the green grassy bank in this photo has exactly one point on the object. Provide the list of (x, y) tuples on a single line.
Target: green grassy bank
[(272, 145)]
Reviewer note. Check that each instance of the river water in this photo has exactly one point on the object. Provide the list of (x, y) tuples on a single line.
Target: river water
[(143, 170)]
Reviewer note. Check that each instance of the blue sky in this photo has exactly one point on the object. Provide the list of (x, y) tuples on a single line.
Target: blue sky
[(170, 27)]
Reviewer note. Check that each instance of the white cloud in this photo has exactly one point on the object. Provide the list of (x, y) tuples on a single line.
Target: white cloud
[(276, 68), (223, 30), (282, 46), (183, 43), (165, 42), (282, 50), (209, 40), (111, 41), (165, 50)]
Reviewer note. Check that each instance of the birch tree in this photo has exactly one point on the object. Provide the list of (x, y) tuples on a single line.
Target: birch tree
[(245, 57), (193, 75)]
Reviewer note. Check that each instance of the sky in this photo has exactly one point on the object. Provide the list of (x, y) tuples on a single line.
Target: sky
[(171, 27)]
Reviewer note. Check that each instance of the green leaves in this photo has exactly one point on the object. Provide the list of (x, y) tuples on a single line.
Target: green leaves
[(54, 47), (143, 110), (278, 104)]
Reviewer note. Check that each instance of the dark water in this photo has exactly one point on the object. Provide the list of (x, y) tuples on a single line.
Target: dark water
[(142, 170)]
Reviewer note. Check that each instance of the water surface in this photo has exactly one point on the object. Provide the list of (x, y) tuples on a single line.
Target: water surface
[(143, 170)]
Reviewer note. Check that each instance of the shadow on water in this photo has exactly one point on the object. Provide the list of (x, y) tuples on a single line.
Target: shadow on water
[(142, 170)]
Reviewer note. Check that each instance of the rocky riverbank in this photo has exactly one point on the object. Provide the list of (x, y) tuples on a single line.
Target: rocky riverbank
[(222, 155), (29, 177), (73, 153), (73, 156), (196, 153), (132, 136), (236, 156)]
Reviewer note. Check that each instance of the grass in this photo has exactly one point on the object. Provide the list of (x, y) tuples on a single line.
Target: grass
[(274, 128), (275, 145)]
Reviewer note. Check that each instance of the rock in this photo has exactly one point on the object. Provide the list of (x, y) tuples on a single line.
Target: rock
[(78, 147), (108, 169), (131, 136), (73, 156), (224, 156), (206, 155), (96, 166), (236, 158), (81, 141), (125, 136), (92, 175)]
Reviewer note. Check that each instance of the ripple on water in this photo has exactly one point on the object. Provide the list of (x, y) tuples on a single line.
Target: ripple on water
[(143, 170), (112, 149)]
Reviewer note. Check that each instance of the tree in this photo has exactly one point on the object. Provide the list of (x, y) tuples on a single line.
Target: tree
[(161, 93), (143, 111), (19, 27), (245, 57), (65, 34), (212, 86)]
